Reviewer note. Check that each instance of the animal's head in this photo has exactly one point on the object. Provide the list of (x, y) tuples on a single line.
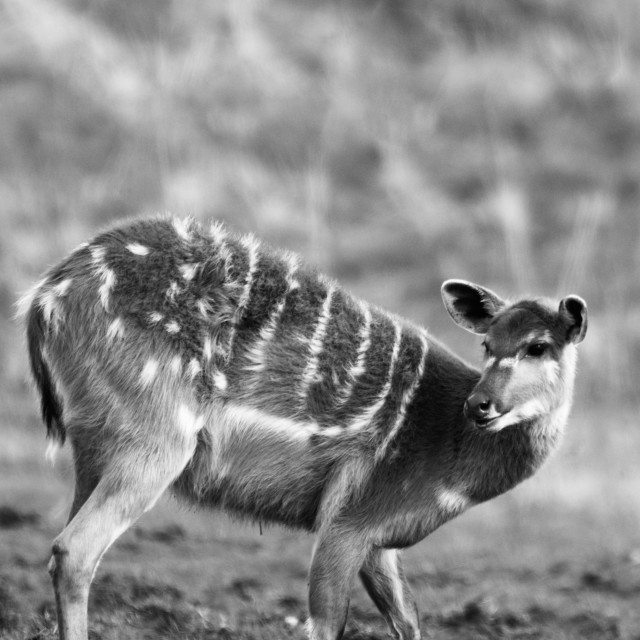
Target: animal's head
[(529, 362)]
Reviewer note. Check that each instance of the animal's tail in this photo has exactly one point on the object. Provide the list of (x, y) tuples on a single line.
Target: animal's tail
[(50, 401)]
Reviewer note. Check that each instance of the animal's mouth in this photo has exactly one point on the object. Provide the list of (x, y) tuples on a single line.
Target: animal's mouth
[(483, 423), (488, 423)]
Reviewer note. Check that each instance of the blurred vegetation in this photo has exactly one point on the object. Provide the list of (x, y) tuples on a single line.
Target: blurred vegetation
[(394, 143)]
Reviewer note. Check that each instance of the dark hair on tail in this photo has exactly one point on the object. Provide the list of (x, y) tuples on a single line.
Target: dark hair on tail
[(50, 401)]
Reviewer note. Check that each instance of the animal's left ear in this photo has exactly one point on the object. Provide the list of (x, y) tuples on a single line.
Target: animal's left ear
[(471, 306), (573, 311)]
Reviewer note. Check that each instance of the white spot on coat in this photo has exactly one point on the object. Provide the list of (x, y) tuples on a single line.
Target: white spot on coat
[(207, 349), (138, 249), (156, 316), (176, 365), (220, 381), (173, 290), (181, 226), (172, 326), (62, 287), (97, 255), (115, 329), (194, 368), (452, 501), (204, 307), (108, 282), (148, 373), (188, 271), (48, 302), (188, 421)]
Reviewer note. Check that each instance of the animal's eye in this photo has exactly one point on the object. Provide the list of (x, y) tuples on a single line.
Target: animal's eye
[(536, 350)]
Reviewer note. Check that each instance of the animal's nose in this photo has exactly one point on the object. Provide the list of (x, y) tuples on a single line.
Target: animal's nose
[(479, 406)]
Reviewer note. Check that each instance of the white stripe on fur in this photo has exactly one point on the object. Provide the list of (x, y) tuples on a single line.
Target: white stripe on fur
[(358, 367), (364, 419), (317, 341), (257, 351), (406, 398)]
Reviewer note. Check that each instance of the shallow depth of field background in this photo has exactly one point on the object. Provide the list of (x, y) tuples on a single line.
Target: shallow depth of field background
[(395, 144)]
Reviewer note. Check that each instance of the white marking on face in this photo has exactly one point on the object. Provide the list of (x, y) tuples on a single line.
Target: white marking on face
[(490, 361), (194, 368), (315, 346), (188, 421), (181, 227), (148, 373), (551, 371), (115, 329), (451, 500), (364, 419), (244, 417), (172, 326), (188, 271), (220, 381), (138, 249), (156, 316), (507, 363), (538, 336)]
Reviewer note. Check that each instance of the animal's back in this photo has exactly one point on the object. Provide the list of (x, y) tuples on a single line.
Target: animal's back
[(284, 374)]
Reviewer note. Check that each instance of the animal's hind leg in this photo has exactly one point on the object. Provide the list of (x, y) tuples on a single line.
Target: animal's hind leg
[(384, 580), (130, 484)]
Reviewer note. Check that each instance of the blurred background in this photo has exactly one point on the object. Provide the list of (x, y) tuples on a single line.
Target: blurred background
[(393, 143)]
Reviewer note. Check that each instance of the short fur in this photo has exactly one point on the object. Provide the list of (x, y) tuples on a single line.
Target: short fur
[(175, 356)]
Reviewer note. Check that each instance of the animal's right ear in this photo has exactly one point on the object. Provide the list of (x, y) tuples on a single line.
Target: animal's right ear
[(471, 306)]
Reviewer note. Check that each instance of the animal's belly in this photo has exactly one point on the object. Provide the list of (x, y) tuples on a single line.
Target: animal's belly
[(259, 466)]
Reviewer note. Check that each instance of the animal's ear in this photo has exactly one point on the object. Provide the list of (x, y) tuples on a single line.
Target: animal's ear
[(471, 306), (573, 311)]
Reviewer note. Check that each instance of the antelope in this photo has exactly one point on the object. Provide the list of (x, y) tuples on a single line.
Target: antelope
[(187, 358)]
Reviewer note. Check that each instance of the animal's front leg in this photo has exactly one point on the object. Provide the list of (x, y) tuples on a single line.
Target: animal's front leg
[(338, 556), (384, 580)]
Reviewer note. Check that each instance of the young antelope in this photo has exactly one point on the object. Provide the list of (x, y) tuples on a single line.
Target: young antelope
[(174, 356)]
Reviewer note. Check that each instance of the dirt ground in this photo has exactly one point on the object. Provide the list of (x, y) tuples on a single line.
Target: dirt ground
[(559, 557)]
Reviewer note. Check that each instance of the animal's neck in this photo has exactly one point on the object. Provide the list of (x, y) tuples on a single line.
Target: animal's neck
[(493, 463)]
